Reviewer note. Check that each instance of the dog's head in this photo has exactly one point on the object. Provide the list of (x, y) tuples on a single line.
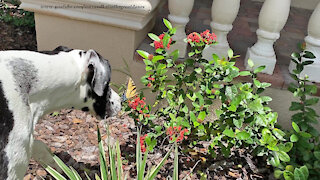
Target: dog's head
[(106, 102), (98, 98)]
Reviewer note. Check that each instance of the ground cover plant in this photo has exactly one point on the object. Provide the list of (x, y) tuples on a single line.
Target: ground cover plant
[(245, 126)]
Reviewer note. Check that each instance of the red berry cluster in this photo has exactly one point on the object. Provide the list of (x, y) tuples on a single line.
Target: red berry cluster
[(177, 132), (139, 105), (159, 44), (137, 102), (208, 37), (194, 37), (150, 79), (142, 145), (205, 37)]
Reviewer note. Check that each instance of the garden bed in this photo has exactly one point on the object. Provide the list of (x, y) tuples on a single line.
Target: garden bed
[(71, 134)]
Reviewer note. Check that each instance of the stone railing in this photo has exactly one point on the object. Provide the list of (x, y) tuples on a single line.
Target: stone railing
[(272, 19)]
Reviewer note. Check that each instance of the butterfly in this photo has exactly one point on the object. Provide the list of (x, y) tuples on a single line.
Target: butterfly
[(131, 90)]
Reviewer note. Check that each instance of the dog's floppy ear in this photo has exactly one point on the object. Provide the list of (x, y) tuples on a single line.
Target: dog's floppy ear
[(99, 72), (63, 48)]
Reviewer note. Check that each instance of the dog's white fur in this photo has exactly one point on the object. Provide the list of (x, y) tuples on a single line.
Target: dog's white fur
[(61, 83)]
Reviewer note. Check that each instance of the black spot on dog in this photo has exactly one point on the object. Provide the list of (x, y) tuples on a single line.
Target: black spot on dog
[(85, 109), (6, 125), (85, 100), (25, 76), (57, 50)]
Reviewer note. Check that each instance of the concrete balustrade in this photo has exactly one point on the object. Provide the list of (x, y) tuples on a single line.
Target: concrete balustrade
[(312, 45), (272, 18), (223, 13), (179, 17)]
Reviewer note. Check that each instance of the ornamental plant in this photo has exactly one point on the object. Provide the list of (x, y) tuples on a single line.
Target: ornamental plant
[(305, 154), (186, 89)]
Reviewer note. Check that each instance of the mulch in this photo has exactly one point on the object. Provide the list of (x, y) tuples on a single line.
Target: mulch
[(72, 135), (13, 37)]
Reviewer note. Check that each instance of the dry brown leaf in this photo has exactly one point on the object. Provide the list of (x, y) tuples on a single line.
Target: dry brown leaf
[(77, 121)]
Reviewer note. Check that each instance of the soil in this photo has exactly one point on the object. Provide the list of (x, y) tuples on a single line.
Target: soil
[(72, 135)]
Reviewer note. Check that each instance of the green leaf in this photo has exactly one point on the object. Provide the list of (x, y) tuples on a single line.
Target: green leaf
[(283, 156), (295, 55), (295, 127), (298, 175), (274, 160), (256, 106), (288, 175), (175, 54), (155, 171), (309, 55), (265, 85), (285, 147), (147, 62), (292, 87), (215, 57), (295, 106), (238, 122), (259, 69), (198, 70), (257, 83), (75, 173), (305, 63), (305, 171), (294, 138), (154, 37), (143, 54), (53, 172), (157, 58), (190, 54), (250, 63), (243, 135), (64, 167), (232, 108), (266, 98), (202, 115), (193, 116), (305, 134), (102, 157), (279, 134), (167, 23), (245, 73), (311, 101), (229, 133), (312, 89), (277, 173), (317, 154), (230, 53)]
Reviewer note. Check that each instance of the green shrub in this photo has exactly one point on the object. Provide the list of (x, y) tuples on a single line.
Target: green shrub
[(189, 87), (305, 154)]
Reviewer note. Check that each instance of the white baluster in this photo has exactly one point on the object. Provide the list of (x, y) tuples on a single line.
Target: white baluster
[(273, 16), (223, 13), (179, 17), (312, 45)]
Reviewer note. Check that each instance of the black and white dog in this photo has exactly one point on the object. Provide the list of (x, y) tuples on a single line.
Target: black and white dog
[(33, 84)]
